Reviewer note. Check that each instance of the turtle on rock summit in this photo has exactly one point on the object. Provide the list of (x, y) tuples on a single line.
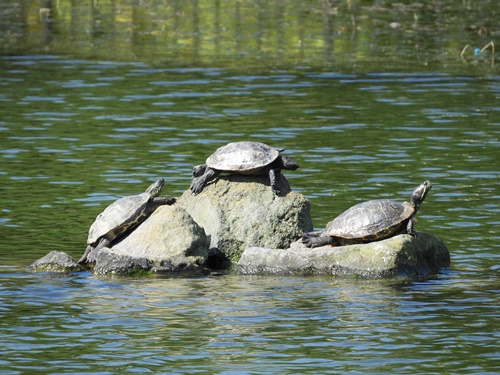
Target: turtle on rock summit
[(246, 158), (370, 221), (122, 217)]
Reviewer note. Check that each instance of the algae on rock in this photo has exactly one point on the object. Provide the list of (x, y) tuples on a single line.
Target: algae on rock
[(55, 261), (242, 211)]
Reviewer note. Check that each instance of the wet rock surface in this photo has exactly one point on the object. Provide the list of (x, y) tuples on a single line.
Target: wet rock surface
[(401, 255), (168, 240)]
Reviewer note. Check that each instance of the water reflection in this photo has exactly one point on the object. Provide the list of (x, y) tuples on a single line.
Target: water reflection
[(257, 33), (252, 323)]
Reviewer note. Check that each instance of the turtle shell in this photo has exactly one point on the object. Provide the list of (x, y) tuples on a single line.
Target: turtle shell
[(119, 217), (370, 220), (242, 157)]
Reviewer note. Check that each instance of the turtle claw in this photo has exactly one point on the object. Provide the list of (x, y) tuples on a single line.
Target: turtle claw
[(307, 242), (308, 239), (198, 183), (197, 186)]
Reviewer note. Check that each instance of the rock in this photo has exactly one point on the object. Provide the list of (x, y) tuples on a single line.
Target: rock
[(242, 211), (110, 261), (399, 255), (55, 261), (167, 241)]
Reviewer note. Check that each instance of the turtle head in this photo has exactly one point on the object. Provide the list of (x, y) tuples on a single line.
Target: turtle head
[(155, 188), (288, 163), (419, 194)]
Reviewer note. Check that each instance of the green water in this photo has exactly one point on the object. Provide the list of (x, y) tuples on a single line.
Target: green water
[(77, 132)]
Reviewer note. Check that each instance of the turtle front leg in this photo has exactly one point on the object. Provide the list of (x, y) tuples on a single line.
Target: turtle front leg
[(409, 228), (198, 183), (199, 170), (92, 256), (312, 240), (157, 202), (160, 201)]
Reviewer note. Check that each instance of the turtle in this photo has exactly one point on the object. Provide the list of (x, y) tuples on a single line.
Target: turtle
[(370, 221), (122, 217), (246, 158)]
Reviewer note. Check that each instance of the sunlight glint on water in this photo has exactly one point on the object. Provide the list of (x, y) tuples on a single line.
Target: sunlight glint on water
[(75, 140)]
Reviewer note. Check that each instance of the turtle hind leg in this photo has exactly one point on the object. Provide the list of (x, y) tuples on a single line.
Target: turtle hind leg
[(198, 183), (83, 259), (409, 228), (315, 240)]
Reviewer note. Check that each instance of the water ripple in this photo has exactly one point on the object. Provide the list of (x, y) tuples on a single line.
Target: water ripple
[(66, 155)]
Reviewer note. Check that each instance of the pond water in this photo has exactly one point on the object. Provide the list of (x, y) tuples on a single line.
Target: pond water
[(96, 102), (77, 134)]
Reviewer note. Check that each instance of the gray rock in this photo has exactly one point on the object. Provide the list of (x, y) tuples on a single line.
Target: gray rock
[(167, 241), (55, 261), (110, 261), (398, 255), (242, 211)]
